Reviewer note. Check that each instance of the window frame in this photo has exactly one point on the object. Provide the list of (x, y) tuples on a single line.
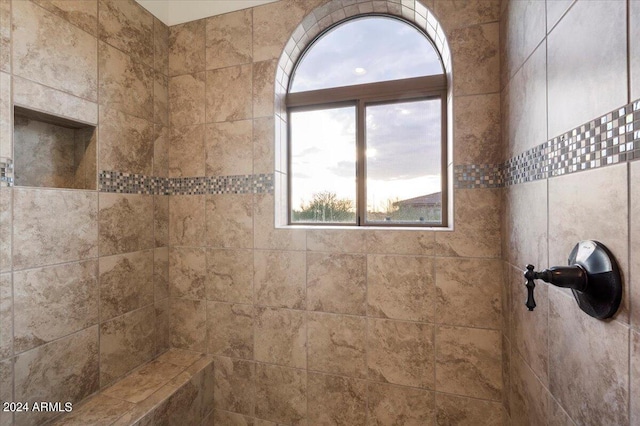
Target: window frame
[(361, 95)]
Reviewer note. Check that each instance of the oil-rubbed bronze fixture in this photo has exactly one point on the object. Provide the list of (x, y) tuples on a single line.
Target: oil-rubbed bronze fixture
[(592, 275)]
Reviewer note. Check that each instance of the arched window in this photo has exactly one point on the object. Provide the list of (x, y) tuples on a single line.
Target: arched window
[(367, 111)]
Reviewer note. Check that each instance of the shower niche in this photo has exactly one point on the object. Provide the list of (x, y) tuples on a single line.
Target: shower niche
[(53, 152)]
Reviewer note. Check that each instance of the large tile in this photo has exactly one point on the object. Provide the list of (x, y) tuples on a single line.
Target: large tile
[(337, 344), (139, 385), (522, 29), (187, 272), (160, 46), (634, 48), (188, 324), (229, 94), (281, 394), (230, 330), (64, 370), (234, 385), (468, 292), (126, 283), (127, 26), (263, 88), (126, 142), (125, 223), (266, 235), (557, 416), (634, 395), (53, 52), (161, 220), (229, 39), (229, 275), (160, 98), (281, 337), (453, 15), (603, 216), (279, 278), (38, 235), (99, 409), (456, 410), (6, 317), (555, 11), (336, 282), (575, 340), (187, 220), (126, 342), (187, 99), (163, 325), (336, 400), (476, 59), (413, 242), (401, 352), (395, 405), (53, 302), (83, 14), (229, 220), (5, 37), (506, 374), (580, 88), (401, 287), (229, 148), (187, 48), (529, 398), (634, 243), (161, 141), (125, 84), (469, 362), (6, 227), (477, 129), (187, 151), (263, 145), (220, 417), (6, 116), (337, 241)]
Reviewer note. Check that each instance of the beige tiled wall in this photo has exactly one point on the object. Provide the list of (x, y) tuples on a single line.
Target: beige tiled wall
[(326, 326), (84, 275), (560, 365)]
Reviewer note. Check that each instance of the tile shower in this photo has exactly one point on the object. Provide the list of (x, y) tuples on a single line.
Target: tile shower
[(177, 248)]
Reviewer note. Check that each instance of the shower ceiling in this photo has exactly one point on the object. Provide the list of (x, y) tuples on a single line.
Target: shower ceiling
[(173, 12)]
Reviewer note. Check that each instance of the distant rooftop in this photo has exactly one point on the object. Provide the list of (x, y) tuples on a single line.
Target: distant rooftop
[(423, 200)]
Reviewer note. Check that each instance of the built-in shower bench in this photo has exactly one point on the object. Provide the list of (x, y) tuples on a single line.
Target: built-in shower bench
[(174, 389)]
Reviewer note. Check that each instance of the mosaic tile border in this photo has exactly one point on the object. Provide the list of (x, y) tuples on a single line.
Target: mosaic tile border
[(129, 183), (6, 172)]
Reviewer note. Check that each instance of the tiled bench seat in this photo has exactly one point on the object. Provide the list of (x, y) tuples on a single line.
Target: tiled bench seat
[(174, 389)]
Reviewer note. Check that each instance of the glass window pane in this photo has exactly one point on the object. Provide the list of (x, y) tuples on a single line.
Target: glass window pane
[(323, 165), (403, 162), (366, 50)]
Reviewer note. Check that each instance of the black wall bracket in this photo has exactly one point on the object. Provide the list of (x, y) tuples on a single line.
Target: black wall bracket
[(592, 275)]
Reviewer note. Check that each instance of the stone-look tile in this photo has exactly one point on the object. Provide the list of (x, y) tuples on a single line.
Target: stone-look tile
[(281, 394), (229, 148), (524, 106), (575, 340), (125, 84), (186, 222), (128, 27), (229, 39), (279, 278), (336, 282), (477, 225), (42, 54), (603, 216), (6, 116), (522, 29), (530, 329), (634, 395), (230, 330), (6, 318), (187, 100), (634, 243), (456, 410), (160, 99), (220, 417), (64, 370), (400, 242), (46, 99), (163, 324), (126, 142), (469, 362), (229, 275), (263, 145), (180, 357), (452, 15), (229, 94), (229, 220), (281, 337), (337, 344), (401, 287), (477, 129), (506, 373), (468, 292), (557, 416), (634, 48), (97, 410), (6, 226), (336, 400), (401, 352), (161, 143), (187, 48), (266, 236), (555, 11), (529, 398), (38, 235), (161, 220), (5, 38), (126, 342), (187, 151), (126, 283), (476, 59), (263, 88), (53, 302), (160, 47), (124, 222), (580, 89), (139, 385), (234, 385), (187, 272), (161, 273), (83, 14), (188, 324), (337, 241), (395, 405)]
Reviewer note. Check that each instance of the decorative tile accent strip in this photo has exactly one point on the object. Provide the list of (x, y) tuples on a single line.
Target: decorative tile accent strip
[(6, 172), (128, 183), (478, 176)]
